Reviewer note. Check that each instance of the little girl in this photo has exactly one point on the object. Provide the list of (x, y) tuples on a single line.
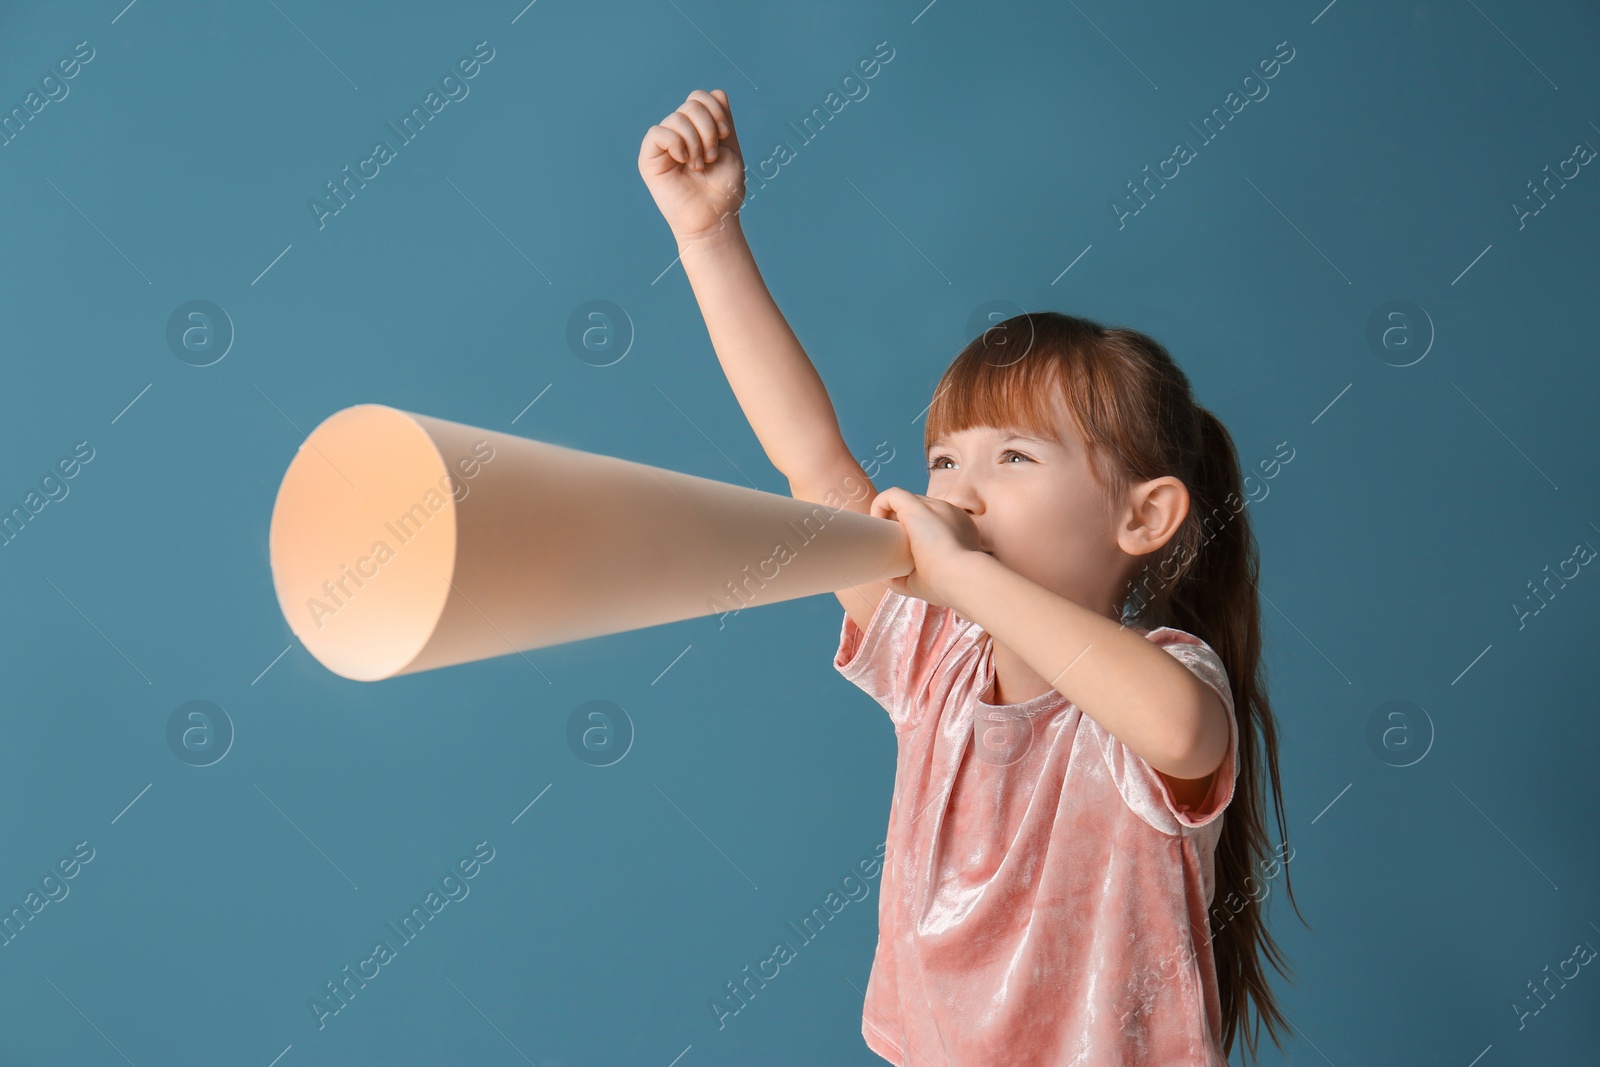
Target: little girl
[(1063, 668)]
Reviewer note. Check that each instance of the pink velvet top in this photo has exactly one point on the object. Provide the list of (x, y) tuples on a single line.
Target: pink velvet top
[(1044, 896)]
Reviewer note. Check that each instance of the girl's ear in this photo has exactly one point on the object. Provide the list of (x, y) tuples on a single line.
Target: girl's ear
[(1155, 511)]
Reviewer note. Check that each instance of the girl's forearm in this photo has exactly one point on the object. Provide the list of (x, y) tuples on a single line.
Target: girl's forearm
[(1137, 692), (770, 374)]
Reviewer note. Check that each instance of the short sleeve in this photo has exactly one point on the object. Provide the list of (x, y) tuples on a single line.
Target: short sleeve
[(1143, 787), (894, 660)]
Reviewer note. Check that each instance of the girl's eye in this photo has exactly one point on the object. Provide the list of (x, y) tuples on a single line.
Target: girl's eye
[(933, 465)]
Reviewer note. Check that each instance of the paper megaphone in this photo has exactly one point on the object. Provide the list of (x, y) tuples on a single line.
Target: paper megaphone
[(402, 543)]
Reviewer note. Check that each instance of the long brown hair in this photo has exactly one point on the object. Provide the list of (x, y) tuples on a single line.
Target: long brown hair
[(1138, 418)]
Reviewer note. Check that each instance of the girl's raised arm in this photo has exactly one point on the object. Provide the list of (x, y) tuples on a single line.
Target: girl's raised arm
[(693, 168)]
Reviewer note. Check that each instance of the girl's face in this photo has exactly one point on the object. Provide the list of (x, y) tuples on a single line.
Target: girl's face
[(1038, 509)]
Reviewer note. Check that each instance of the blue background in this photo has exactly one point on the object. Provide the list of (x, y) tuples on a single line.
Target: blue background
[(1419, 503)]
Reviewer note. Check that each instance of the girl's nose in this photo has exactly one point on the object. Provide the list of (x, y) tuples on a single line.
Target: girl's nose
[(964, 497)]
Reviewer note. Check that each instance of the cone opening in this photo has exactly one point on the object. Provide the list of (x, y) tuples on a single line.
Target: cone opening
[(363, 541)]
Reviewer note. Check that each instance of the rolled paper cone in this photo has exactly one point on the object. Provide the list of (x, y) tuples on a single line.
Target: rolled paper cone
[(402, 543)]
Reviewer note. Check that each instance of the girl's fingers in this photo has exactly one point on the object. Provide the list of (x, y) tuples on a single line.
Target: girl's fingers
[(679, 122), (731, 135), (719, 110), (671, 142), (705, 125)]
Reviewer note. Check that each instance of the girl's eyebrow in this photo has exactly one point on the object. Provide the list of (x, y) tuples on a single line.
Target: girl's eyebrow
[(1017, 435)]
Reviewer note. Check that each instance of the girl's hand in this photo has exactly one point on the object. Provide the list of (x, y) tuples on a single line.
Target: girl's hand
[(692, 166), (940, 534)]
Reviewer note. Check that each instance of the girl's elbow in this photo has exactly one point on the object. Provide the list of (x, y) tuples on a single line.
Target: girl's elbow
[(1207, 746), (1204, 747)]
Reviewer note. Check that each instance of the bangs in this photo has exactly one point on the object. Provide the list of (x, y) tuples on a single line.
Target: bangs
[(1025, 396)]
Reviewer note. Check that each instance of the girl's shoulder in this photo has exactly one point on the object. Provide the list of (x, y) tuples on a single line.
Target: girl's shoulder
[(1195, 653)]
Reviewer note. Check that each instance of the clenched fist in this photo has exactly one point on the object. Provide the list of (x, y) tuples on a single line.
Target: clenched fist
[(940, 536), (692, 166)]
